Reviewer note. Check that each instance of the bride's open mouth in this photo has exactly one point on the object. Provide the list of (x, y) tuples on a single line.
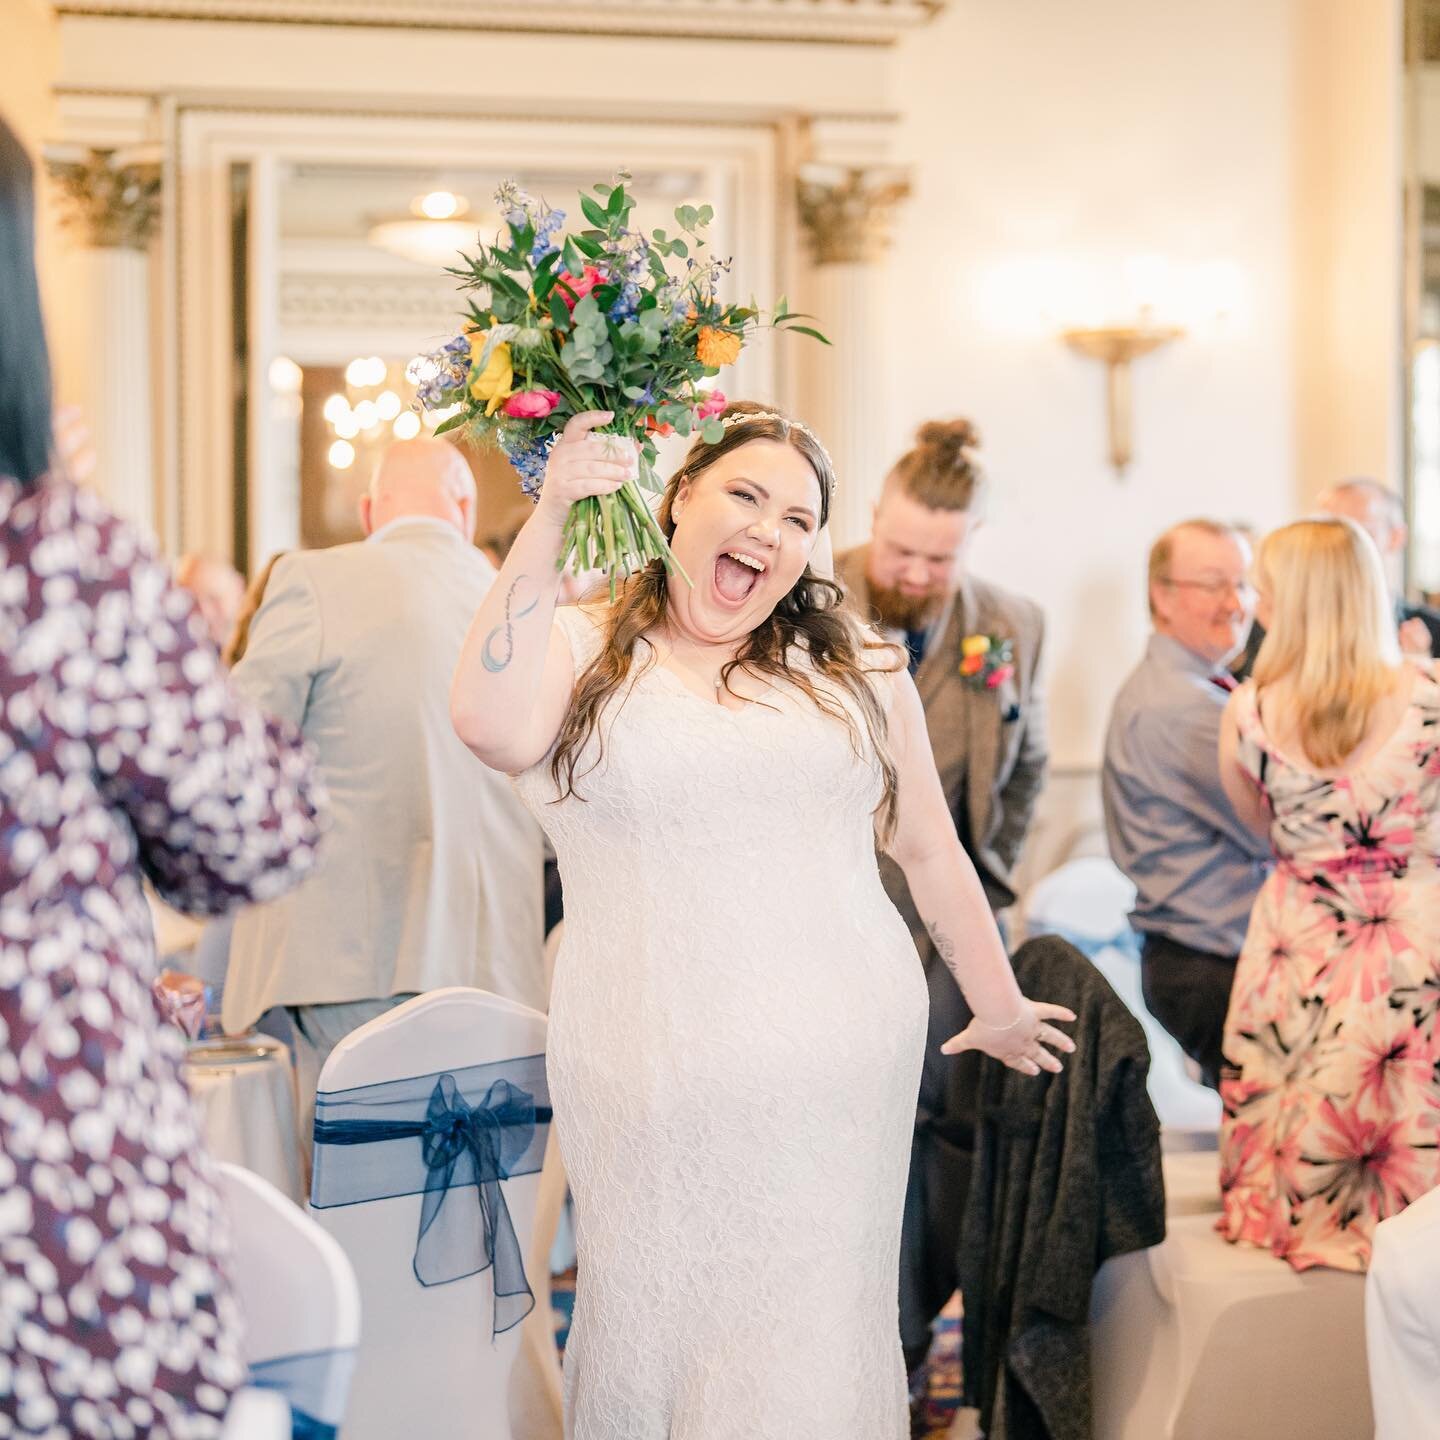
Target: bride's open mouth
[(736, 575)]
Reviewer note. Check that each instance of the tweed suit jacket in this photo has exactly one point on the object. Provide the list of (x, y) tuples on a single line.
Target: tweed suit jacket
[(990, 746)]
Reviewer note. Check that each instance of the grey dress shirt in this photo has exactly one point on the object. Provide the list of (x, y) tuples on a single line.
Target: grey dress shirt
[(1195, 865)]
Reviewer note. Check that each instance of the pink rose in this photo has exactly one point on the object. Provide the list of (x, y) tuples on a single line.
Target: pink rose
[(582, 287), (999, 675), (532, 404), (713, 404)]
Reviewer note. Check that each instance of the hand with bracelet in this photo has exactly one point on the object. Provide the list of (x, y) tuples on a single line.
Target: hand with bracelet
[(1022, 1043)]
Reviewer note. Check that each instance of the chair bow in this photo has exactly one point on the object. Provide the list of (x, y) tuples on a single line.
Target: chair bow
[(468, 1151), (477, 1127)]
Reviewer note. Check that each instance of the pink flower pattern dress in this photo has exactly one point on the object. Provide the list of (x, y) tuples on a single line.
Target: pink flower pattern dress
[(1332, 1105)]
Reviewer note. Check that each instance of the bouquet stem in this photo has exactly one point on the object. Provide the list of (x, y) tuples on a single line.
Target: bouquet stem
[(616, 533)]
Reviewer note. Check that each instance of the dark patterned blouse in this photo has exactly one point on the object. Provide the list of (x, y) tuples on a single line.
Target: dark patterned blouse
[(123, 752)]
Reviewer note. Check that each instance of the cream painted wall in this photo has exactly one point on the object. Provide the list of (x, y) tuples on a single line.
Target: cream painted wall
[(1349, 244), (1073, 162), (28, 61), (27, 67), (1066, 156)]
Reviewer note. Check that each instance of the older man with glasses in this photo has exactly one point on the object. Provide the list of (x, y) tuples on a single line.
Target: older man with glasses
[(1196, 868)]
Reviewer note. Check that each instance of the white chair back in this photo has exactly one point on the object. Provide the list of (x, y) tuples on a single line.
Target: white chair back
[(256, 1415), (296, 1287), (1402, 1321), (1087, 901), (429, 1364)]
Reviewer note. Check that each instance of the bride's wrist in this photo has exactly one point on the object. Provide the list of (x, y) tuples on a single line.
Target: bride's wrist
[(1001, 1029)]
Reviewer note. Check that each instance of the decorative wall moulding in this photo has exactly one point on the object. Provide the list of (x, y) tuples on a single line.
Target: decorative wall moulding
[(870, 22)]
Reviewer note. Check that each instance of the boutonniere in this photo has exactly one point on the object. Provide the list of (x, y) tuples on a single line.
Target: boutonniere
[(987, 662)]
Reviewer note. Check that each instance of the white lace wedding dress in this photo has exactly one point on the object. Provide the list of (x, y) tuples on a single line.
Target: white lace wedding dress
[(736, 1033)]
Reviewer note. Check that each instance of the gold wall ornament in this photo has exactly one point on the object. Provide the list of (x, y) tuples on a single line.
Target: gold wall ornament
[(111, 198), (1116, 346), (846, 210)]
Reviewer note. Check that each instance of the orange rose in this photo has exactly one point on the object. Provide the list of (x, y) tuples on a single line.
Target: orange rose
[(972, 664), (717, 347)]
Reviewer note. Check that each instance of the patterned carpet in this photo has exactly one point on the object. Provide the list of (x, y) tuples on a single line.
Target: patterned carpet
[(942, 1396)]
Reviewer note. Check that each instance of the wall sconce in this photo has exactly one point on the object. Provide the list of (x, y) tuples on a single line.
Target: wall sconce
[(1117, 346)]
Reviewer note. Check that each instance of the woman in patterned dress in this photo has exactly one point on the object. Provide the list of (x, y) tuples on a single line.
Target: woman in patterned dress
[(1333, 749), (122, 752)]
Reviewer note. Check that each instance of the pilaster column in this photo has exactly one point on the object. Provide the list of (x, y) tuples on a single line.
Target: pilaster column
[(101, 326), (846, 213)]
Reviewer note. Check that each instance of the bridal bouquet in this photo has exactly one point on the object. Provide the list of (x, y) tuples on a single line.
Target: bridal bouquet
[(604, 318)]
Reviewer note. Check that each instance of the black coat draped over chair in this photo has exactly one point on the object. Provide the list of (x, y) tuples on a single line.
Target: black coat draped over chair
[(1065, 1173)]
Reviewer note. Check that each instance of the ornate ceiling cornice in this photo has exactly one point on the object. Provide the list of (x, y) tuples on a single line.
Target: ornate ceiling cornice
[(865, 22)]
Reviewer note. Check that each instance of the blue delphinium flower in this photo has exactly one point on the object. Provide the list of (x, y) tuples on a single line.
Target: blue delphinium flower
[(545, 229), (442, 372), (529, 463)]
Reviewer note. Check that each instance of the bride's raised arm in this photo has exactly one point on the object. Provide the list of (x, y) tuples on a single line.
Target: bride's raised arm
[(515, 674), (951, 901)]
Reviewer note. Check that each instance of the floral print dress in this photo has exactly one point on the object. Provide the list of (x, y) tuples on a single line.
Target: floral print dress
[(123, 752), (1332, 1105)]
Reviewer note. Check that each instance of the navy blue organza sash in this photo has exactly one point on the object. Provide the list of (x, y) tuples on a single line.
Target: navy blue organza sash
[(315, 1385), (452, 1136)]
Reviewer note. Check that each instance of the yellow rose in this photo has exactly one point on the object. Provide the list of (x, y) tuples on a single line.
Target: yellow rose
[(717, 347), (495, 383), (974, 645)]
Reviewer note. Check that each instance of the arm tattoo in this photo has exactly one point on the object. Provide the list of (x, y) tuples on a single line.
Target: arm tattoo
[(944, 945), (496, 663)]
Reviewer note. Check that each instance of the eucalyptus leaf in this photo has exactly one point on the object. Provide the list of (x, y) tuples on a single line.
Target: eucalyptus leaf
[(594, 212), (712, 432), (454, 422)]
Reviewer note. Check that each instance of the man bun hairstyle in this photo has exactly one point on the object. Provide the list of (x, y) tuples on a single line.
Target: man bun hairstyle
[(941, 470)]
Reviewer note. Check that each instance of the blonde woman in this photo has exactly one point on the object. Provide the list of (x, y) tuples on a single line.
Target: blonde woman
[(1331, 1101), (738, 1016)]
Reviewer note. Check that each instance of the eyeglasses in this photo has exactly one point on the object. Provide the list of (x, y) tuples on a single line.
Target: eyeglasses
[(1242, 589)]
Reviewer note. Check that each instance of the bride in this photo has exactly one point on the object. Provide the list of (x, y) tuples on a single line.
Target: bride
[(738, 1016)]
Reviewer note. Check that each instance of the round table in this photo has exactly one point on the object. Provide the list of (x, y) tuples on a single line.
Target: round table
[(245, 1095)]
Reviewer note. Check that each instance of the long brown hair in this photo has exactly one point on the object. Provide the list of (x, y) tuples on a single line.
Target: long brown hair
[(812, 617)]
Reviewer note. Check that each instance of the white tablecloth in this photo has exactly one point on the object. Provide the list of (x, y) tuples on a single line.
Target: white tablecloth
[(247, 1110)]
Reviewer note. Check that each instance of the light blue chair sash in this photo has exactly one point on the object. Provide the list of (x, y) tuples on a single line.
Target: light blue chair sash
[(451, 1136)]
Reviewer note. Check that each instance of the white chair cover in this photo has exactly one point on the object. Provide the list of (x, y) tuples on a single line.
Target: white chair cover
[(294, 1283), (256, 1415), (1088, 901), (1402, 1322), (1198, 1339), (428, 1362)]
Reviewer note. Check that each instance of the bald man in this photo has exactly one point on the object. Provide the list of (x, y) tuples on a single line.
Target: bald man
[(431, 874)]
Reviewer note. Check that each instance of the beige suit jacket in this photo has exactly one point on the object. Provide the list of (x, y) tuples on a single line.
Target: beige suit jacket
[(990, 745), (432, 872)]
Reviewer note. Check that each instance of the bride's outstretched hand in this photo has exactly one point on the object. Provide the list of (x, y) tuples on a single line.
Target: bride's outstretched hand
[(1022, 1044)]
